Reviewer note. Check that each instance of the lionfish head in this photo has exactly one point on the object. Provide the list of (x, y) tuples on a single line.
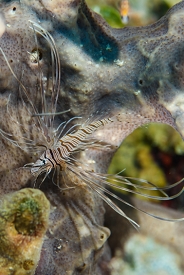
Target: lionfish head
[(42, 165)]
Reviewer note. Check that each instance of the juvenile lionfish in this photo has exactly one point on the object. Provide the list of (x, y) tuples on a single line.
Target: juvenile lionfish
[(61, 145)]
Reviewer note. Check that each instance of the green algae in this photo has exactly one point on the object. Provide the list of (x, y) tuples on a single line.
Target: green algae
[(110, 14)]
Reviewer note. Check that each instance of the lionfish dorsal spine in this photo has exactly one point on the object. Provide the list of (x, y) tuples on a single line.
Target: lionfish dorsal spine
[(72, 141)]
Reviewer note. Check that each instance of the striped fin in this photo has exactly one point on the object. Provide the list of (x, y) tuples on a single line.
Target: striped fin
[(72, 142)]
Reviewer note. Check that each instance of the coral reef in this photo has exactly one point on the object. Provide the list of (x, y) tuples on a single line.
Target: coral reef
[(135, 73), (24, 217), (153, 237), (145, 256)]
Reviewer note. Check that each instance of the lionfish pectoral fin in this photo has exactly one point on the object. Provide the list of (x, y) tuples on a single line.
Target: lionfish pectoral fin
[(113, 205), (52, 114), (117, 179), (100, 191), (93, 180)]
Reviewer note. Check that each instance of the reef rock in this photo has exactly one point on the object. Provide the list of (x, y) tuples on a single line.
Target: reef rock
[(136, 73)]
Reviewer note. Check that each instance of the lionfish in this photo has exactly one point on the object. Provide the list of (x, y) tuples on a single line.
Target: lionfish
[(61, 144)]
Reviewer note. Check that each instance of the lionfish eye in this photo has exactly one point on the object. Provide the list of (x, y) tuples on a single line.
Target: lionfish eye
[(43, 160)]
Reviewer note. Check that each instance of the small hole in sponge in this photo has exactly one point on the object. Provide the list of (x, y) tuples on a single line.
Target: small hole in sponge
[(14, 8), (140, 82)]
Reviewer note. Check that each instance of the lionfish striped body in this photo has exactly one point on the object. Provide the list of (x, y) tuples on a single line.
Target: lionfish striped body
[(59, 151), (67, 145)]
